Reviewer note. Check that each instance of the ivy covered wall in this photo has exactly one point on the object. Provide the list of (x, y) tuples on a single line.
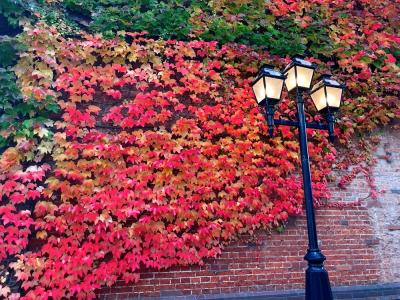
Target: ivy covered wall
[(130, 138)]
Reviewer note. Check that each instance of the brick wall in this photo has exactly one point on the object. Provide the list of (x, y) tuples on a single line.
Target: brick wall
[(362, 247), (385, 213)]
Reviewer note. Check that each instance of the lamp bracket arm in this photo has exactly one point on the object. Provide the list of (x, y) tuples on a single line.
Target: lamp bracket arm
[(312, 125)]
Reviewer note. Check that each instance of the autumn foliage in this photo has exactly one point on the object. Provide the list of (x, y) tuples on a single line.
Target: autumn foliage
[(159, 155)]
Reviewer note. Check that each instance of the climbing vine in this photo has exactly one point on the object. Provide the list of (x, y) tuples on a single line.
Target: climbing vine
[(134, 151)]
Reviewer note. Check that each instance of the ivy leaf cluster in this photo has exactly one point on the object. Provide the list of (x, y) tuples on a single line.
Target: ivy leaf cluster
[(19, 118)]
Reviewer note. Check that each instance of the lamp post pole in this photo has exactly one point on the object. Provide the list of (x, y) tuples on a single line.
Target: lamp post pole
[(326, 95), (317, 280)]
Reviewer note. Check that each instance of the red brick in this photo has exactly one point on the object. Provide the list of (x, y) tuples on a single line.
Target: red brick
[(393, 227), (277, 263)]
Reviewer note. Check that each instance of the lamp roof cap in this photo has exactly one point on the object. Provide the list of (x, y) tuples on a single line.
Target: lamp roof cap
[(327, 80), (269, 71), (298, 60)]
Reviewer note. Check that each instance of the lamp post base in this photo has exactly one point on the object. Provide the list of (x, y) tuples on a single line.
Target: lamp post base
[(317, 279)]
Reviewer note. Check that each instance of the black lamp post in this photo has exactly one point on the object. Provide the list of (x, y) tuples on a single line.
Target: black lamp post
[(326, 96)]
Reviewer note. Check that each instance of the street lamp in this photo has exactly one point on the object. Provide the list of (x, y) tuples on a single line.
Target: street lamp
[(326, 95), (268, 85), (299, 73), (267, 89)]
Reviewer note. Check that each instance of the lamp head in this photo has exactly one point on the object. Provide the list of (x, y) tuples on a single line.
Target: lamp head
[(327, 94), (268, 85), (299, 73)]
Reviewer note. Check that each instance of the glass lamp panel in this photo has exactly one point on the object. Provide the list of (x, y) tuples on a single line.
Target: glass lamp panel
[(290, 80), (273, 87), (334, 96), (259, 90), (319, 99), (304, 76)]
